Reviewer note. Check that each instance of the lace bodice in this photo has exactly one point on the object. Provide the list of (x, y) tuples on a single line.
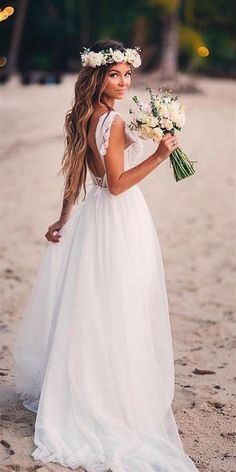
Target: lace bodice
[(132, 153)]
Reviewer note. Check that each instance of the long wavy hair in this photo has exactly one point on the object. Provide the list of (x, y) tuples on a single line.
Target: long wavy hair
[(89, 87)]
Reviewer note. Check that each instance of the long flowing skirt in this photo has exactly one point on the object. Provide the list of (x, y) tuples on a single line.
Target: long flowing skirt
[(93, 354)]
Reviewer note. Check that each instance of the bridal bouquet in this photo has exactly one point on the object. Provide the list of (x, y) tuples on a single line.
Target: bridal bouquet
[(163, 114)]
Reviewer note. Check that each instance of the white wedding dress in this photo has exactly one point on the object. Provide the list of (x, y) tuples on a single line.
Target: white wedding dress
[(93, 353)]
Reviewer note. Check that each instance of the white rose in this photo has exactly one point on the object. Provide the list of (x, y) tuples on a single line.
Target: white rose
[(142, 117), (177, 113), (178, 118), (85, 59), (152, 121), (163, 109), (95, 58), (130, 55), (144, 131), (136, 62), (157, 134), (175, 105), (168, 124), (118, 56)]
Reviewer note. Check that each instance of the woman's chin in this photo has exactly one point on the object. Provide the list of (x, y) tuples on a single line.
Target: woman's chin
[(120, 95)]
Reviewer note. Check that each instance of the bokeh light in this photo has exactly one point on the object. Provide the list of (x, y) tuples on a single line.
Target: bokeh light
[(3, 15), (203, 51), (9, 10), (3, 61)]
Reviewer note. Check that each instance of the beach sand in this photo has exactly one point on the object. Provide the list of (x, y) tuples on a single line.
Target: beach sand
[(195, 221)]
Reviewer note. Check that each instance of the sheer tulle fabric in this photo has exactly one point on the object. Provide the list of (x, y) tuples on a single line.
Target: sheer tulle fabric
[(93, 354)]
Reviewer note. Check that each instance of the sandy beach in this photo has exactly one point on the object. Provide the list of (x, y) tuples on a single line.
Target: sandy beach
[(195, 222)]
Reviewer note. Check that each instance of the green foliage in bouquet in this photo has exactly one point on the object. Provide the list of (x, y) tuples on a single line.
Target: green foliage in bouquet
[(163, 114)]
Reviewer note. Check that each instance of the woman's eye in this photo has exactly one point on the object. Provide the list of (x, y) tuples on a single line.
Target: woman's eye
[(114, 74)]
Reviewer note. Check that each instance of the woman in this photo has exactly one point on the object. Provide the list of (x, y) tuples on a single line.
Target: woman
[(94, 355)]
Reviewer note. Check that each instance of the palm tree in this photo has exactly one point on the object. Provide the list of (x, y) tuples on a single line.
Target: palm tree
[(168, 65), (11, 67), (167, 11)]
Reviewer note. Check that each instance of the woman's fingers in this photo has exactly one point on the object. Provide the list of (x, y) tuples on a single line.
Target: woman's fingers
[(172, 143), (170, 140), (55, 238), (167, 145), (53, 235)]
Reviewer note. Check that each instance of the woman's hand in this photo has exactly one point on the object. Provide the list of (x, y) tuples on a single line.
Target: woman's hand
[(167, 145), (55, 228)]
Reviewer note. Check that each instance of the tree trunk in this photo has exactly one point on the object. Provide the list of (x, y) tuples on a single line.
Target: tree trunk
[(16, 37), (168, 65), (85, 26)]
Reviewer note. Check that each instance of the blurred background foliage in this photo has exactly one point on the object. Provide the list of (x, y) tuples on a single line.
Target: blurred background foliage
[(190, 35)]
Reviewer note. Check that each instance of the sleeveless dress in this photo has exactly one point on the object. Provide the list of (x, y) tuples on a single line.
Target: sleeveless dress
[(93, 355)]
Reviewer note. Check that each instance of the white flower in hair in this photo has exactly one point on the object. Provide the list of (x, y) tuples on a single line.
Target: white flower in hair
[(85, 59), (133, 57), (108, 56), (118, 56), (95, 58), (137, 62)]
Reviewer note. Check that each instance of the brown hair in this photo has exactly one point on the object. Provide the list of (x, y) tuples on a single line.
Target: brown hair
[(88, 91)]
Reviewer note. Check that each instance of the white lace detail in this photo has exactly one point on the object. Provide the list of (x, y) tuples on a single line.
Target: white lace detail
[(134, 149), (105, 138), (100, 180)]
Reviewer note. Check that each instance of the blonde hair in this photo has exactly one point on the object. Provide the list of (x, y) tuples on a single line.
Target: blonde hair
[(88, 91)]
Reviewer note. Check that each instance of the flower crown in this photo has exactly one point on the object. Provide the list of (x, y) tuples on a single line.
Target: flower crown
[(108, 56)]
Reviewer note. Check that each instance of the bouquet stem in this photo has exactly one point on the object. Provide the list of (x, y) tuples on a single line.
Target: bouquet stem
[(182, 166)]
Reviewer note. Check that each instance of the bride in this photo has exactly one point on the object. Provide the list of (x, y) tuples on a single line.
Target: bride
[(93, 354)]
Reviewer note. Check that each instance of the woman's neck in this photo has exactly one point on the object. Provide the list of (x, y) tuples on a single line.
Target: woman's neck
[(108, 102), (102, 108)]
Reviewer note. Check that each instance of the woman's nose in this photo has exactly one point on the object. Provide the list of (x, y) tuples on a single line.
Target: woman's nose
[(122, 80)]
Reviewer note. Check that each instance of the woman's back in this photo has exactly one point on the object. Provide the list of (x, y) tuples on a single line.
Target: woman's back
[(100, 128), (93, 157)]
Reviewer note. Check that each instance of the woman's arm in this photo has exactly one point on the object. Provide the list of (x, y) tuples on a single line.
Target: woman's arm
[(53, 230), (66, 210), (67, 206), (119, 180)]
